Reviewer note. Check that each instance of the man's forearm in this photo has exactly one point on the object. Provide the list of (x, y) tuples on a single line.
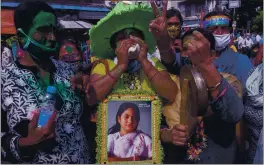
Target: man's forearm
[(162, 83), (104, 84), (212, 77), (166, 53)]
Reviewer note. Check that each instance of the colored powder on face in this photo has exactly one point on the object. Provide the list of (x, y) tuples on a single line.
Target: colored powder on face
[(68, 49), (42, 19)]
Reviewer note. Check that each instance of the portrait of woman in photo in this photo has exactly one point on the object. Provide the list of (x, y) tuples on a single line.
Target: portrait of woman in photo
[(125, 142)]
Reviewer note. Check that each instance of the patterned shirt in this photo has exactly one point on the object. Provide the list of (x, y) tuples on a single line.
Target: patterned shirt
[(22, 94)]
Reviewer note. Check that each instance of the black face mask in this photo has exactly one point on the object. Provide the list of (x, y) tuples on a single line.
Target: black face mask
[(186, 61), (42, 58)]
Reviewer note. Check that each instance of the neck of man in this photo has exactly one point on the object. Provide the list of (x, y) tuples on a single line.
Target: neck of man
[(27, 60)]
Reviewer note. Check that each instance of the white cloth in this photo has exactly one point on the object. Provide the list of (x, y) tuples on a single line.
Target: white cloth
[(133, 144), (6, 57), (241, 42), (156, 54), (253, 84), (248, 42), (149, 56), (258, 38)]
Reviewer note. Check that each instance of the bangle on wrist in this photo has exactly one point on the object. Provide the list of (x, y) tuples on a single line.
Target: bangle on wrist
[(109, 74), (215, 86), (153, 75)]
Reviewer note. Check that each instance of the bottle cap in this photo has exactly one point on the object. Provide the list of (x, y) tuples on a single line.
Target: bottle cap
[(51, 90)]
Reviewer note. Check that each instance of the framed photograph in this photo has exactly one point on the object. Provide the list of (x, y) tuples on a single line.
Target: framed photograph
[(128, 129)]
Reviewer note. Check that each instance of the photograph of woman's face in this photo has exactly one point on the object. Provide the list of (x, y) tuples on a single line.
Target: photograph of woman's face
[(127, 121)]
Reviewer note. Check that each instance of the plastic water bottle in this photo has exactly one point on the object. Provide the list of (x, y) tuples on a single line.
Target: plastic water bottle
[(47, 107)]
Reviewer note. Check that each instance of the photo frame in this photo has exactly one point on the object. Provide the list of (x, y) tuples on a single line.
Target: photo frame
[(128, 129)]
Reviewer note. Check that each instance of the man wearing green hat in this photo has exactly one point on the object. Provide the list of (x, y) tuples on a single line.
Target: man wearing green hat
[(124, 41)]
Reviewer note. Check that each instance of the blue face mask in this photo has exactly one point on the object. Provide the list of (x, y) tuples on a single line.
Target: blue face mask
[(133, 66)]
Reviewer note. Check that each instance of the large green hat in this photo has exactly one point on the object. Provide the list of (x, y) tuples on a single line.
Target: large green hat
[(122, 16)]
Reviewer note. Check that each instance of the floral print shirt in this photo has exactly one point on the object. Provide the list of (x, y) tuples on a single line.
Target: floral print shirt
[(21, 95)]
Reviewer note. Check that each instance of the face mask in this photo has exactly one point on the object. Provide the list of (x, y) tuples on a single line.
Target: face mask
[(221, 41), (133, 66), (40, 53), (173, 31), (186, 61)]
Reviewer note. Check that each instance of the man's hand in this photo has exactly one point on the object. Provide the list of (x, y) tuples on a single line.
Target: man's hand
[(82, 82), (198, 50), (143, 48), (37, 135), (122, 52), (158, 26), (179, 135)]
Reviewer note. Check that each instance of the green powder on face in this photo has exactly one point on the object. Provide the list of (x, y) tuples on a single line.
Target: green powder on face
[(42, 19), (68, 49)]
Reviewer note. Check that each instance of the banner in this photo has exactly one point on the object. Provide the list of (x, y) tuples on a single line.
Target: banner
[(234, 4), (7, 23)]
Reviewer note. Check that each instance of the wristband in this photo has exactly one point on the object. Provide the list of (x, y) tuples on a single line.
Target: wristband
[(219, 96), (150, 78), (215, 87), (109, 74)]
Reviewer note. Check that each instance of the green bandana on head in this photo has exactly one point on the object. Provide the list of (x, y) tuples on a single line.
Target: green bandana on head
[(122, 17)]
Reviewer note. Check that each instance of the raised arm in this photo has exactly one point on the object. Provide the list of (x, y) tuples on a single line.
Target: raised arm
[(159, 29), (226, 103)]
